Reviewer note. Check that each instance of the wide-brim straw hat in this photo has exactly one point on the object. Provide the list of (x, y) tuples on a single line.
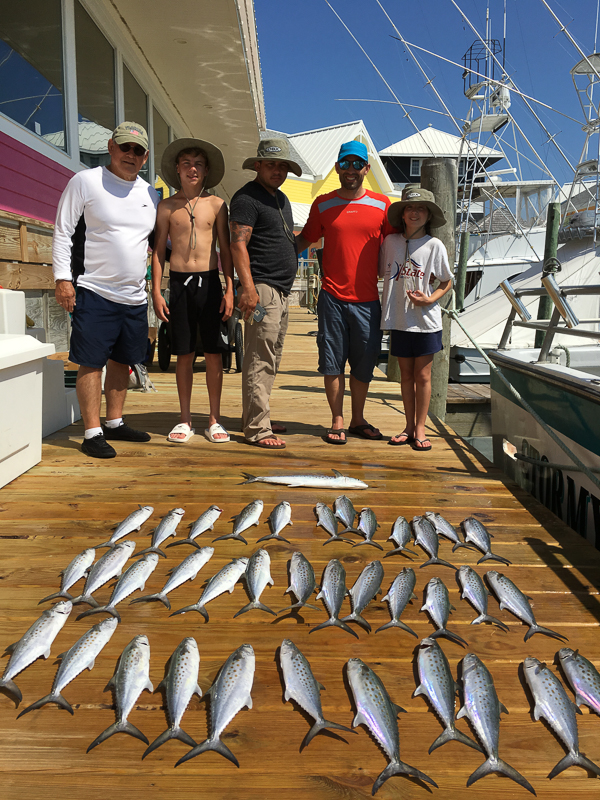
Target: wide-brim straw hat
[(414, 194), (216, 162), (273, 150)]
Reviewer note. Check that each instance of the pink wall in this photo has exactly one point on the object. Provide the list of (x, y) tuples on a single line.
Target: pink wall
[(30, 183)]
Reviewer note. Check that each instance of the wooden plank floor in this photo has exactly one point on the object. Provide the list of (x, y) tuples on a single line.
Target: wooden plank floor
[(69, 502)]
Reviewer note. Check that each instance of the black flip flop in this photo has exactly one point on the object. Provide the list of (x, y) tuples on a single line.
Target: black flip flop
[(326, 438), (421, 449), (408, 440), (359, 430)]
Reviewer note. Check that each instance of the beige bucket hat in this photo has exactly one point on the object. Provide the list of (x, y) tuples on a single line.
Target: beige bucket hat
[(273, 150), (216, 162), (414, 194)]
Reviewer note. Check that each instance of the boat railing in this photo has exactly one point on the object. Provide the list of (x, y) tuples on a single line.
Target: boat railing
[(562, 313)]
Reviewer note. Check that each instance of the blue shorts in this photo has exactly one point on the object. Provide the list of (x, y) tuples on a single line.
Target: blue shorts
[(348, 332), (409, 344), (103, 330)]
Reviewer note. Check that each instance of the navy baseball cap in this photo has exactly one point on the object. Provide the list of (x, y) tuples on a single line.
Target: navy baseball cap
[(353, 149)]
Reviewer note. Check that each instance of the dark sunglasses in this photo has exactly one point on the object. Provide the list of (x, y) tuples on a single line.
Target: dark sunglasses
[(357, 165), (138, 150)]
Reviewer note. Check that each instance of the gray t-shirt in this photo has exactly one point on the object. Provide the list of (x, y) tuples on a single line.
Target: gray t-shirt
[(272, 247)]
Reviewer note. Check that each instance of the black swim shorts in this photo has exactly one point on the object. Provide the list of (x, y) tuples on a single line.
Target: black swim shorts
[(194, 302)]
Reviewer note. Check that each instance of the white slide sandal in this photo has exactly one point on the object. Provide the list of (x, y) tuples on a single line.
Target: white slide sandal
[(214, 429), (181, 428)]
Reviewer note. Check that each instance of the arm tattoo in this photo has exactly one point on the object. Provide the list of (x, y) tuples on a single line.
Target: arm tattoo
[(240, 233)]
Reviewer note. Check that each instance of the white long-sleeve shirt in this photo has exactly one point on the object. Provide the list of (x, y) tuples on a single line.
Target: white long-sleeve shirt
[(119, 216)]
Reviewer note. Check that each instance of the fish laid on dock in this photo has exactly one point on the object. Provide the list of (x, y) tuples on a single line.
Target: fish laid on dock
[(77, 569), (205, 522), (345, 512), (302, 582), (133, 578), (223, 581), (130, 524), (512, 598), (258, 576), (401, 536), (186, 571), (278, 519), (478, 534), (475, 592), (166, 528), (444, 528), (438, 606), (108, 566), (333, 591), (248, 516), (365, 589), (399, 595), (583, 677), (367, 527), (327, 520), (426, 536), (338, 481)]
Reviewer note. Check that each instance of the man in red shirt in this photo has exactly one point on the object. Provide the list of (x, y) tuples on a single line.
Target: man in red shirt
[(353, 221)]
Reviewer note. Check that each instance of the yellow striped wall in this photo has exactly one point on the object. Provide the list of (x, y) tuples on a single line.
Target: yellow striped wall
[(305, 192)]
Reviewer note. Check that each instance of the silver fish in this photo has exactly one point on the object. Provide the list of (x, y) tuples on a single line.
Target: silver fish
[(552, 703), (583, 677), (378, 713), (438, 685), (166, 528), (82, 655), (186, 571), (438, 606), (477, 533), (366, 587), (278, 519), (401, 536), (77, 569), (338, 481), (333, 591), (131, 677), (131, 523), (483, 709), (327, 520), (35, 642), (302, 582), (513, 599), (223, 581), (345, 512), (426, 536), (301, 686), (400, 593), (367, 526), (205, 522), (444, 528), (229, 694), (248, 516), (258, 575), (475, 592), (108, 566), (133, 578), (180, 685)]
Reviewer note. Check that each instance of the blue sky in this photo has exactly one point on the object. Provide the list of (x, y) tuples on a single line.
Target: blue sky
[(309, 61)]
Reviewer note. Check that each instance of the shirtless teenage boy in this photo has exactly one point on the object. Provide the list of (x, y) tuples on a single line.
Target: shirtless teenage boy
[(194, 220)]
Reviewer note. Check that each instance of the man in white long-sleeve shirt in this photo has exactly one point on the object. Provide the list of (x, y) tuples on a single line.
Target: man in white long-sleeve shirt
[(100, 244)]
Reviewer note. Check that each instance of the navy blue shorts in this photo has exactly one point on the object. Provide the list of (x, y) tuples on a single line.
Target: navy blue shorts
[(103, 330), (348, 332), (409, 344), (194, 302)]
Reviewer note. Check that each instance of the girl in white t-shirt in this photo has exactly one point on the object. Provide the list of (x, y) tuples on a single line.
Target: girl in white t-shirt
[(410, 261)]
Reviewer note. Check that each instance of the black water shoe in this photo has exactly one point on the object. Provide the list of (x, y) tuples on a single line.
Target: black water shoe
[(98, 447), (125, 434)]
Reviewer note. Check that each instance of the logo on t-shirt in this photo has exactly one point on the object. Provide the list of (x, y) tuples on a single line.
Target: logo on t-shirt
[(408, 270)]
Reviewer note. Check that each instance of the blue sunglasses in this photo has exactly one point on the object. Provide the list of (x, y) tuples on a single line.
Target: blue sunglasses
[(358, 164)]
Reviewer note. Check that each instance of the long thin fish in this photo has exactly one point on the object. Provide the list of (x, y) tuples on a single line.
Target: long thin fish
[(228, 695), (258, 576), (133, 578), (301, 686), (278, 519), (166, 528), (180, 685), (401, 536), (400, 593), (205, 522), (378, 713), (367, 526), (583, 677), (483, 709), (333, 591), (82, 655), (223, 581), (131, 677), (302, 582), (438, 606), (338, 481), (248, 516), (108, 566), (552, 703), (513, 599), (426, 536), (77, 569), (365, 589), (327, 520), (186, 571), (130, 524), (444, 528), (477, 533), (475, 592)]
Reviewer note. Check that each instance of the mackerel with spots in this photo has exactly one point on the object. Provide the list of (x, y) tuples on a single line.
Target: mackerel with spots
[(477, 533), (365, 589), (166, 528), (367, 526), (583, 677), (327, 520), (444, 528), (301, 686), (180, 685), (400, 593), (512, 598), (35, 642), (475, 592), (552, 703), (108, 566), (310, 481), (426, 536), (82, 655), (345, 512), (438, 606), (230, 692), (186, 571), (278, 519), (248, 516), (205, 522), (375, 709), (302, 582), (130, 524), (77, 569), (482, 708), (401, 536), (223, 581), (333, 591), (258, 576), (133, 578), (438, 685), (131, 678)]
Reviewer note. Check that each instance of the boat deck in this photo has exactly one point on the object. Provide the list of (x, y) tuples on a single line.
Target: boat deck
[(69, 502)]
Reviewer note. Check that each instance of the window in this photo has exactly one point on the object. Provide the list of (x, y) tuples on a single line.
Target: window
[(31, 67), (136, 108), (415, 168), (461, 168), (161, 140)]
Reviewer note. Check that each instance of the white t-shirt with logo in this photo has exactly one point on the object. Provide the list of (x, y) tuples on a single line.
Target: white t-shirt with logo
[(409, 265)]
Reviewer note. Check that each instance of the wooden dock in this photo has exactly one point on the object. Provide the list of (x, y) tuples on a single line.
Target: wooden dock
[(69, 502)]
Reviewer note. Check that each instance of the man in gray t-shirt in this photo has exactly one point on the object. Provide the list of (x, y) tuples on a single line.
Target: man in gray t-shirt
[(264, 255)]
